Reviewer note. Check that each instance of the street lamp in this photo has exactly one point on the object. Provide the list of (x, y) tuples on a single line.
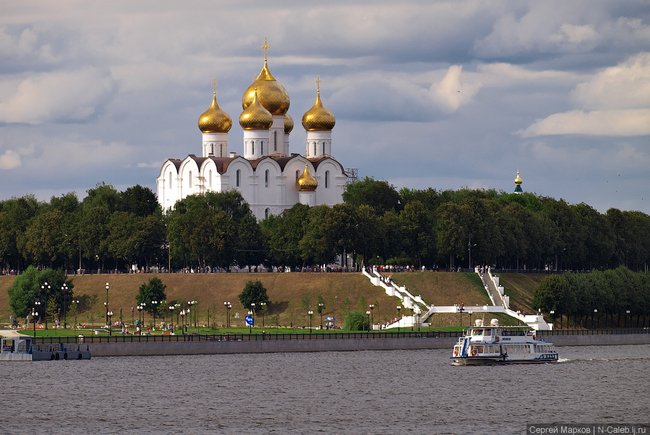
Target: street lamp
[(45, 286), (311, 313), (228, 307), (140, 307), (320, 310), (75, 301), (253, 312), (372, 312), (106, 303), (190, 303), (627, 314), (592, 318), (183, 321), (398, 308), (368, 316), (171, 311), (155, 307), (34, 314), (553, 317), (110, 315), (250, 324), (64, 287), (263, 309)]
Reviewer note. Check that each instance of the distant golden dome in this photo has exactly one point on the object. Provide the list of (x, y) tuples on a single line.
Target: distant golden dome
[(215, 119), (255, 116), (288, 123), (318, 118), (306, 182), (271, 94), (518, 180)]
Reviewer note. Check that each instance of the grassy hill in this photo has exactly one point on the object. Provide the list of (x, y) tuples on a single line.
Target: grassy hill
[(291, 294)]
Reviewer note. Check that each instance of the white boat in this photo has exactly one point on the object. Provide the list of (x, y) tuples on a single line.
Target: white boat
[(494, 344)]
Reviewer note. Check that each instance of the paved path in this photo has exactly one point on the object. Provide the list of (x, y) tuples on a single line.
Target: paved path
[(10, 333), (492, 290)]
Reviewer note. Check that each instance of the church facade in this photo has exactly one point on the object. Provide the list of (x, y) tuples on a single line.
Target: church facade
[(270, 178)]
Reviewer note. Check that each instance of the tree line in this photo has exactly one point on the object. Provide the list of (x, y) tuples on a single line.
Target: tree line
[(376, 224), (614, 295)]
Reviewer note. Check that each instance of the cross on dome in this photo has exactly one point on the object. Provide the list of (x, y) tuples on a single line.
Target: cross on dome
[(214, 86), (265, 47), (318, 81)]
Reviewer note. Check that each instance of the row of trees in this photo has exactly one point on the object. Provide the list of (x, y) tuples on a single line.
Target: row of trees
[(613, 295), (375, 224)]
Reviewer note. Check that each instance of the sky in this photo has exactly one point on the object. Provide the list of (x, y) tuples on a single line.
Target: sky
[(441, 94)]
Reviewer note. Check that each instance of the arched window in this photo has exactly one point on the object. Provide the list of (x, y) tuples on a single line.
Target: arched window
[(323, 147), (252, 147), (266, 213), (237, 177), (327, 179), (262, 148), (220, 150), (190, 179), (170, 180), (266, 178), (275, 140), (211, 149), (297, 175), (210, 176), (314, 149)]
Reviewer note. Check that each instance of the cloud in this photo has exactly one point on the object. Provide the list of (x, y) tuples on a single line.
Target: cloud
[(625, 86), (633, 122), (64, 96), (10, 160), (450, 93)]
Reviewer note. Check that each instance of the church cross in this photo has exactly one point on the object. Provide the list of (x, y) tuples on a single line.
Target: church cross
[(265, 47), (214, 86), (318, 81)]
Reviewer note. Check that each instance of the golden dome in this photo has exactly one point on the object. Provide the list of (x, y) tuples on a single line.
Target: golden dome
[(271, 94), (215, 119), (306, 182), (318, 118), (255, 116), (518, 180), (288, 123)]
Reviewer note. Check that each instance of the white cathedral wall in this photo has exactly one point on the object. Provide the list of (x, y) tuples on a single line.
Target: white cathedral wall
[(276, 136), (215, 144), (256, 144), (330, 193), (189, 178), (321, 141), (167, 184)]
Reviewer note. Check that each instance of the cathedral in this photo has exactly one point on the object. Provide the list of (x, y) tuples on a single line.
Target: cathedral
[(270, 178)]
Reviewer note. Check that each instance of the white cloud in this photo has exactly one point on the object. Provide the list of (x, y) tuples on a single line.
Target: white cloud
[(450, 93), (10, 160), (625, 86), (633, 122), (58, 96)]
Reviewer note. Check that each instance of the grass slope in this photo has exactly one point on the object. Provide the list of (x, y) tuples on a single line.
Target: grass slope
[(286, 291)]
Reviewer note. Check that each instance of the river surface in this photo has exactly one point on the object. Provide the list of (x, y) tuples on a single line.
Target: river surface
[(366, 392)]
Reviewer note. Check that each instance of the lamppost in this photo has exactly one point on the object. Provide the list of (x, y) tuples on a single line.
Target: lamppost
[(311, 313), (140, 307), (154, 308), (627, 314), (368, 316), (320, 310), (110, 315), (75, 301), (263, 309), (553, 317), (372, 312), (250, 324), (190, 303), (592, 318), (253, 313), (398, 308), (183, 321), (64, 288), (171, 311), (228, 307), (596, 311), (34, 314), (106, 303), (45, 286), (178, 318)]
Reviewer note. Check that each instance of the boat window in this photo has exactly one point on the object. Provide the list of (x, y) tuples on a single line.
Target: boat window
[(480, 349), (487, 332), (476, 332)]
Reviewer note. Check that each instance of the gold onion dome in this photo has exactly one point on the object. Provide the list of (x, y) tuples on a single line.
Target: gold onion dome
[(215, 119), (318, 118), (518, 180), (288, 123), (255, 116), (271, 94), (306, 182)]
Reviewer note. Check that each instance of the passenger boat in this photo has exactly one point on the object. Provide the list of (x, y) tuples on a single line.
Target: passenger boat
[(22, 348), (494, 344)]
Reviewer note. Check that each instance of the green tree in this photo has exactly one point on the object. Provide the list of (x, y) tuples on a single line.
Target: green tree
[(138, 200), (254, 292), (30, 286), (357, 321), (379, 195), (43, 237), (154, 290)]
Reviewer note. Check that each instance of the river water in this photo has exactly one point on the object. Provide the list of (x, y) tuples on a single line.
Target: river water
[(366, 392)]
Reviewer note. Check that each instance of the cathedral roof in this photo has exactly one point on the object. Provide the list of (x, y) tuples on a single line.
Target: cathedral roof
[(255, 116), (271, 94), (318, 118), (306, 182), (215, 119)]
